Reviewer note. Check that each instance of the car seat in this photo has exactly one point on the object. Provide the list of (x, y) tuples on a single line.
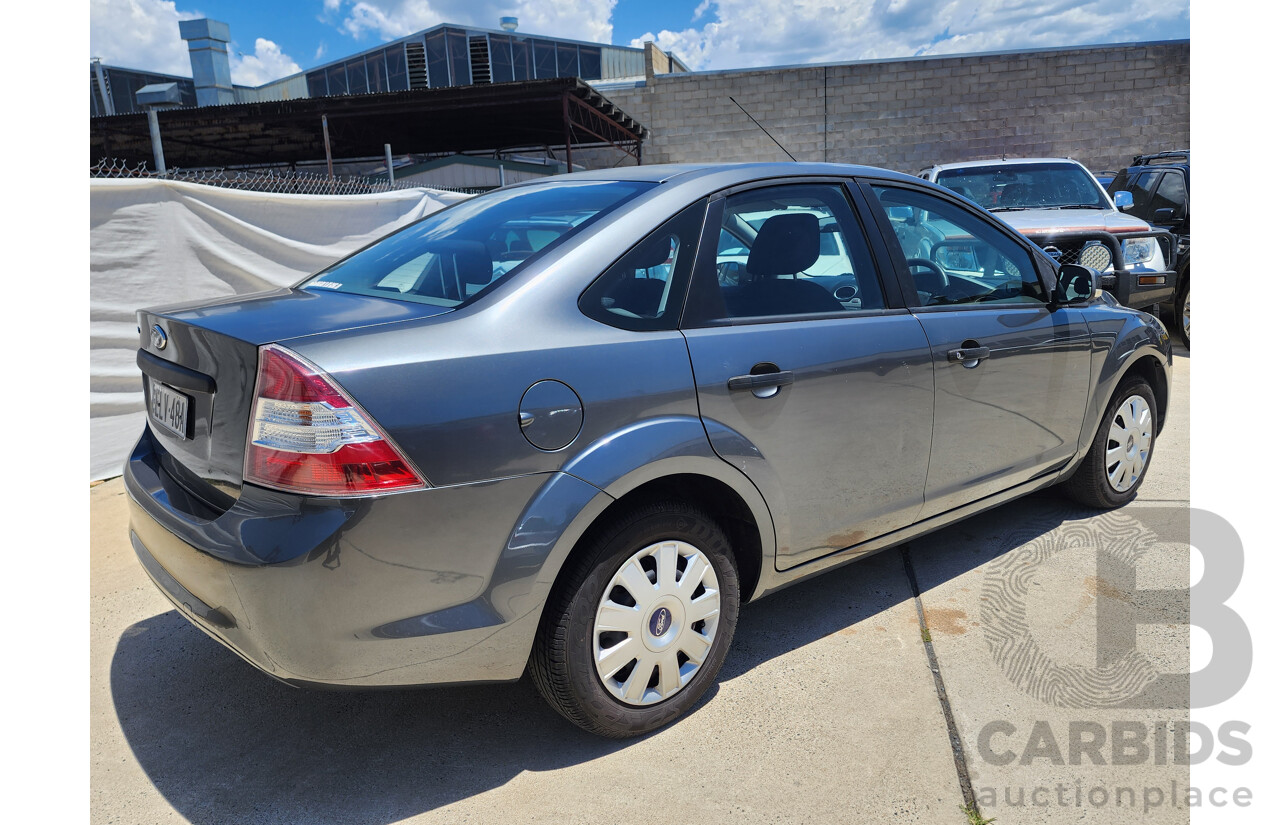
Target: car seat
[(785, 245)]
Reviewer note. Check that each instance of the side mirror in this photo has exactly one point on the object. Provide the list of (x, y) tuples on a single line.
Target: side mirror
[(1124, 200), (1164, 215), (1076, 284)]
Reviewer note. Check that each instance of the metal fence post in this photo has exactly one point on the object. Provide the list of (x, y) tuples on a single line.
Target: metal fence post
[(157, 150)]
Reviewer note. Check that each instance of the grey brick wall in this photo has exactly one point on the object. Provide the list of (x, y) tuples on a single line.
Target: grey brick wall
[(1099, 105)]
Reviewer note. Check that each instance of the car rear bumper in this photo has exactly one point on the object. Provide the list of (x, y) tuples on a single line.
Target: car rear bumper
[(401, 590)]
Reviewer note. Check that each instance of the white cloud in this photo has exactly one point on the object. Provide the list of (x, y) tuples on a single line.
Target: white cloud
[(139, 34), (143, 34), (747, 33), (267, 63), (389, 19)]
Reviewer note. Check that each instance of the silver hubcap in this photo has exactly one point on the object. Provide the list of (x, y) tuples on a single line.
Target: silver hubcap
[(656, 623), (1128, 443), (1186, 313)]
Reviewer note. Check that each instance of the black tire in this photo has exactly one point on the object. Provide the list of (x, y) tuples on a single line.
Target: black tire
[(1179, 309), (562, 663), (1089, 484)]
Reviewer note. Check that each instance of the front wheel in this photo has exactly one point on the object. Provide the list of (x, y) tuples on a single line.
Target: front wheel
[(1121, 450), (639, 627)]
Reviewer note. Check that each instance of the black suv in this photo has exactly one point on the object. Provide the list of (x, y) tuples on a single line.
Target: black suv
[(1161, 189)]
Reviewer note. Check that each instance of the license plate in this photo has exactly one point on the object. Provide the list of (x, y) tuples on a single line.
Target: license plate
[(169, 408)]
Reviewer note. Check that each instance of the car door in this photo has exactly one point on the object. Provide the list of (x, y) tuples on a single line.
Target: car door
[(1011, 370), (812, 377)]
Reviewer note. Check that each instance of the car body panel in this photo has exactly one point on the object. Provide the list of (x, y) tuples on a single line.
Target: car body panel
[(847, 443), (1053, 221), (1015, 414)]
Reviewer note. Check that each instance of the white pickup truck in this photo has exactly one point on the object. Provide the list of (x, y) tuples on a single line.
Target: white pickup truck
[(1062, 208)]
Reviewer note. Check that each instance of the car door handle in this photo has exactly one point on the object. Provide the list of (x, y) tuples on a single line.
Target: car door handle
[(781, 378), (968, 354)]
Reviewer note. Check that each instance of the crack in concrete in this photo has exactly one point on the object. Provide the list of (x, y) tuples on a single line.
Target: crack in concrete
[(953, 732)]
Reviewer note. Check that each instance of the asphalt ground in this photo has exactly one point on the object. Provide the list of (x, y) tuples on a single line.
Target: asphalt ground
[(1034, 674)]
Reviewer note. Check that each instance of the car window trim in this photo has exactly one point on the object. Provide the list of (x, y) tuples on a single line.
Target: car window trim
[(748, 320), (906, 282)]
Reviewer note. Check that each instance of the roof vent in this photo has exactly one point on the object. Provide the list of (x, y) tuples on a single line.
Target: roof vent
[(509, 24)]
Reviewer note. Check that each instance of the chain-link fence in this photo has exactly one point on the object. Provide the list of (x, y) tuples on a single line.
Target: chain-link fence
[(288, 182)]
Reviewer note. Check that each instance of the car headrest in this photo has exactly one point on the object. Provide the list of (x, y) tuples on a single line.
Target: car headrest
[(653, 252), (1015, 192), (785, 245), (470, 260)]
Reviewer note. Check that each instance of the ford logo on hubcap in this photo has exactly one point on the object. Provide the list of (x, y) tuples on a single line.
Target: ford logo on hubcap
[(158, 339), (660, 621)]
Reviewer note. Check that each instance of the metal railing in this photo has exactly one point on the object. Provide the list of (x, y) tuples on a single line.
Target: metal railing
[(278, 181)]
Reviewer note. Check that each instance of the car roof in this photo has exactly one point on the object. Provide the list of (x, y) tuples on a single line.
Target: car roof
[(1003, 162), (728, 174)]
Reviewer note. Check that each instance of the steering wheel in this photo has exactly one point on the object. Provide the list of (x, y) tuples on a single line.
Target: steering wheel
[(931, 266)]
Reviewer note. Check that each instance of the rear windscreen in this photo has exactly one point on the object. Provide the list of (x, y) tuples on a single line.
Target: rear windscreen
[(454, 254)]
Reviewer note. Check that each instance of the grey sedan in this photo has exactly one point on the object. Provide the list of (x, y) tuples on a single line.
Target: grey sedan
[(569, 427)]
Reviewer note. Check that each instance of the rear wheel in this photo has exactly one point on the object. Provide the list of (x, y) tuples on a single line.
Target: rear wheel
[(639, 627), (1121, 451)]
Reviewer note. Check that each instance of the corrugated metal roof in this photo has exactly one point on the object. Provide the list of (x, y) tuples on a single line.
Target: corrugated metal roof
[(453, 119)]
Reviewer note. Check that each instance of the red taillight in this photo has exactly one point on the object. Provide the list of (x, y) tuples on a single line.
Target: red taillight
[(308, 436)]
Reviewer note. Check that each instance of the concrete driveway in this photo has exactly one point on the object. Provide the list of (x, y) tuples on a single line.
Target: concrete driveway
[(843, 699)]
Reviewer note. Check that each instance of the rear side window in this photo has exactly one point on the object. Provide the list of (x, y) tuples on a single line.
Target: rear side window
[(451, 256), (793, 250), (645, 289)]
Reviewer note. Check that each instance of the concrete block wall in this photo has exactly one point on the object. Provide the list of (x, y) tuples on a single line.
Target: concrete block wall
[(1099, 105)]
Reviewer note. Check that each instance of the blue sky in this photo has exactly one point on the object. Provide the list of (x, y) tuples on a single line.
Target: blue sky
[(273, 38)]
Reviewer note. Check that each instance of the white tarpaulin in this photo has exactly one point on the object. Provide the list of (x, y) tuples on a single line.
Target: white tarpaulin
[(157, 242)]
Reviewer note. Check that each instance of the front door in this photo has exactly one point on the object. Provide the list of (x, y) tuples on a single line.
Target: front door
[(1011, 374)]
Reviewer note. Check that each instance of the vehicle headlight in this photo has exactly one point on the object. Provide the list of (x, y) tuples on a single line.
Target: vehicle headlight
[(1138, 250)]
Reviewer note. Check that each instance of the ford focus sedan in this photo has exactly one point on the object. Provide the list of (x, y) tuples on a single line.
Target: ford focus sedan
[(569, 427)]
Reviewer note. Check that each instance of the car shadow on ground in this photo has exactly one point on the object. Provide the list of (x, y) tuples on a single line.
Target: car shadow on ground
[(224, 743)]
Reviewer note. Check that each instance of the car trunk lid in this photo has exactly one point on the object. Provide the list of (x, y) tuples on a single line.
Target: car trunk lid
[(200, 363)]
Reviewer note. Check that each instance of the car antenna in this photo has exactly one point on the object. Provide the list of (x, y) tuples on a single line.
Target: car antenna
[(766, 131)]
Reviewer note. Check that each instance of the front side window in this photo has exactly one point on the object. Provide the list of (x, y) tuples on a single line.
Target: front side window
[(454, 254), (1141, 187), (797, 249), (1171, 194), (954, 256)]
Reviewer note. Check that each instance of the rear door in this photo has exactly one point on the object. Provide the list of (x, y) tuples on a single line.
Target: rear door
[(812, 377), (1011, 372)]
